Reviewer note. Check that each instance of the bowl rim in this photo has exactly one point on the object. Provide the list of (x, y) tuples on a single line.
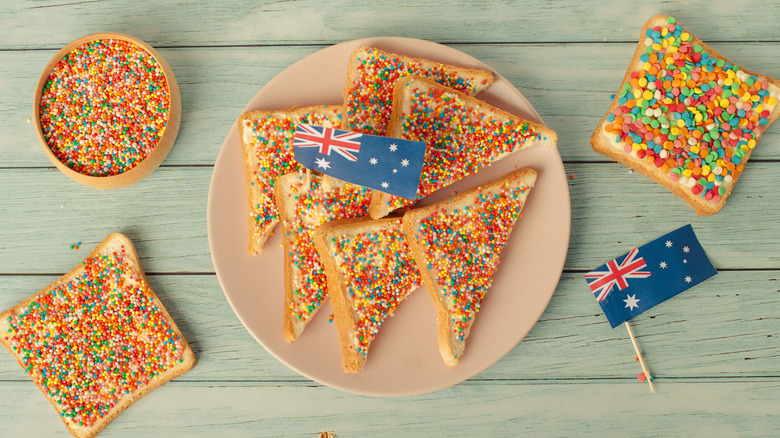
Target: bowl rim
[(155, 157)]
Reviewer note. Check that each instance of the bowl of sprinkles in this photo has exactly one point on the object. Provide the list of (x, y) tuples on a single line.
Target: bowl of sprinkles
[(107, 110)]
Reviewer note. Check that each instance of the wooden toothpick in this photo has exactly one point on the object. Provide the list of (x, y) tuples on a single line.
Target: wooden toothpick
[(648, 377)]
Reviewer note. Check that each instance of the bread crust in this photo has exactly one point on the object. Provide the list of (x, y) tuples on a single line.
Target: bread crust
[(255, 195), (114, 242), (450, 346), (380, 203), (343, 309), (604, 143)]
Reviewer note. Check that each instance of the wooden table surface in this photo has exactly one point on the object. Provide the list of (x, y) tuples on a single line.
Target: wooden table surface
[(714, 350)]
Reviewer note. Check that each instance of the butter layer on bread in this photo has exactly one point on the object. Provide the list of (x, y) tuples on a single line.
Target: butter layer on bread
[(304, 205), (370, 272), (457, 245), (266, 145), (462, 135), (685, 116), (97, 339), (371, 77)]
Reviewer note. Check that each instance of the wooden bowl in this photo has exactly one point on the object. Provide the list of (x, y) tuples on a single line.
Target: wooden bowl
[(139, 170)]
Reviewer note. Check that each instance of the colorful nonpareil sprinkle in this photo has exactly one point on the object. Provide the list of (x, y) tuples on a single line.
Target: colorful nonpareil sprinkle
[(461, 139), (369, 97), (270, 155), (693, 116), (380, 273), (314, 206), (89, 342), (104, 107), (463, 248)]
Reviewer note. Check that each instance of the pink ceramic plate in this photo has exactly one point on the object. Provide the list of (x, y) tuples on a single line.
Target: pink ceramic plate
[(404, 359)]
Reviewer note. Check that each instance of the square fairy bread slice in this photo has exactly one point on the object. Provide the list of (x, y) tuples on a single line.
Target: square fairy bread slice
[(371, 77), (266, 145), (304, 205), (685, 116), (457, 245), (462, 135), (370, 272), (97, 339)]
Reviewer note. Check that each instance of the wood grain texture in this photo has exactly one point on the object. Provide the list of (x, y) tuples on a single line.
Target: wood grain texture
[(215, 87), (692, 336)]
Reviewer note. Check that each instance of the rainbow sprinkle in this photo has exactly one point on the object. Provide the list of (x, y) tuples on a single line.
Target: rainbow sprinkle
[(461, 138), (380, 273), (369, 96), (693, 116), (463, 249), (89, 342), (314, 206), (270, 155), (104, 107)]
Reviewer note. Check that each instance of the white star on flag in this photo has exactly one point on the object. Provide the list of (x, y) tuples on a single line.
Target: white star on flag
[(668, 243), (322, 163), (393, 147), (395, 170), (686, 249), (663, 265), (404, 162), (385, 184), (631, 301), (688, 279), (373, 160)]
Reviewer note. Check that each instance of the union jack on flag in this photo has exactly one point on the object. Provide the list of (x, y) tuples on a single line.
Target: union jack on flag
[(601, 282), (658, 270), (343, 143)]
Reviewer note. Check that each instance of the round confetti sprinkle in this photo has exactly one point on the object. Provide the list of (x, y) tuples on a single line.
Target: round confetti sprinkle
[(104, 107)]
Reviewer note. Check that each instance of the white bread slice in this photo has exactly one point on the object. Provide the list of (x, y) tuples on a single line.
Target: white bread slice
[(666, 159), (372, 73), (266, 145), (370, 272), (303, 207), (457, 245), (85, 340), (463, 134)]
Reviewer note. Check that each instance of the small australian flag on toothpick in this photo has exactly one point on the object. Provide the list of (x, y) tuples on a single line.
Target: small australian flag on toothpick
[(390, 165), (649, 275)]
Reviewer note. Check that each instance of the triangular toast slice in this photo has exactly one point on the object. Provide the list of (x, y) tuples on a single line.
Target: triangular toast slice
[(462, 134), (304, 205), (457, 246), (370, 272), (266, 145), (97, 339), (372, 74), (685, 116)]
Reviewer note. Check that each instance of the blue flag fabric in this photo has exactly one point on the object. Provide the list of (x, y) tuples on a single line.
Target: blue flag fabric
[(649, 275), (390, 165)]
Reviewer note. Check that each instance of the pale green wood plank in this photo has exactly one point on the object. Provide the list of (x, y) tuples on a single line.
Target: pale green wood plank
[(42, 213), (726, 327), (30, 24), (216, 84), (686, 408)]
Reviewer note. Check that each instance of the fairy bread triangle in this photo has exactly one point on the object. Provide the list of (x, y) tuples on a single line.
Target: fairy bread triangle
[(370, 272), (457, 245)]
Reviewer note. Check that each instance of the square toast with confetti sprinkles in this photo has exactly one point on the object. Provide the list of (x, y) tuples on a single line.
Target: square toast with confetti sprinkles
[(98, 339), (685, 116)]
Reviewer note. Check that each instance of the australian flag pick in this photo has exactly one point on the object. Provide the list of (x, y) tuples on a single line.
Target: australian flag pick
[(649, 275), (390, 165)]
